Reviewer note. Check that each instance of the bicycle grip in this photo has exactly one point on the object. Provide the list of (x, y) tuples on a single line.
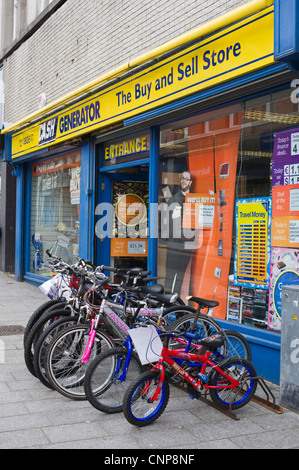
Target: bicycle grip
[(189, 335), (108, 268), (144, 273)]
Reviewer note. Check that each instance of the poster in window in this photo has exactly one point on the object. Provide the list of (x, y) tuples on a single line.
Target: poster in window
[(252, 251), (285, 164), (285, 220), (284, 271), (75, 184)]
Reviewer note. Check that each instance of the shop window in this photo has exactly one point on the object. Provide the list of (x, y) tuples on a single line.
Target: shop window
[(55, 202), (219, 200)]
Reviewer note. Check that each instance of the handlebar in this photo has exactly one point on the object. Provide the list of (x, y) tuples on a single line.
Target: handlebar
[(108, 268)]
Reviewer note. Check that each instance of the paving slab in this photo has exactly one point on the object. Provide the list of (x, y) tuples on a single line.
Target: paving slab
[(34, 417)]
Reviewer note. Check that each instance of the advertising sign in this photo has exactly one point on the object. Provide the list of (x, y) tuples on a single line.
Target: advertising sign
[(252, 252), (284, 272), (199, 210), (128, 247), (130, 209), (285, 165), (239, 49), (285, 190), (75, 182)]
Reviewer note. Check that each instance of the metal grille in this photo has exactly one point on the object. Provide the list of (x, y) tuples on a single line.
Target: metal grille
[(9, 330)]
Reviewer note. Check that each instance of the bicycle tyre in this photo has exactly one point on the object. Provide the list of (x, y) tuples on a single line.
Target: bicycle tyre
[(37, 314), (102, 387), (175, 312), (223, 398), (41, 347), (237, 345), (64, 369), (137, 410), (35, 332)]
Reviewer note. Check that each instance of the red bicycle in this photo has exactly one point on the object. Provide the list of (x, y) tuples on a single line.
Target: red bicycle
[(231, 382)]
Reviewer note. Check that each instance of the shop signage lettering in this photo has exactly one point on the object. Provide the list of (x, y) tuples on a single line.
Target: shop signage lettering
[(184, 70), (237, 50), (128, 147), (86, 115), (252, 214), (47, 131)]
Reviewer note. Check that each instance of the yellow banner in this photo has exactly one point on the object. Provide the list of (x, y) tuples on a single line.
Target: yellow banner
[(237, 50)]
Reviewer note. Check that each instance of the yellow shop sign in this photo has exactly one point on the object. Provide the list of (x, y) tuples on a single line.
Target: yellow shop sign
[(237, 50)]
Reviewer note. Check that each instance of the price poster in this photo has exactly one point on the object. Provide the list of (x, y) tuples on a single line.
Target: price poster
[(128, 247), (285, 189), (252, 251), (285, 165), (285, 216)]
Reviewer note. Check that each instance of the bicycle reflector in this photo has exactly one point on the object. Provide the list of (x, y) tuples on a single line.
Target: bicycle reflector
[(74, 282)]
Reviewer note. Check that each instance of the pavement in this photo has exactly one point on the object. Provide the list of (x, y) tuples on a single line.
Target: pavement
[(35, 417)]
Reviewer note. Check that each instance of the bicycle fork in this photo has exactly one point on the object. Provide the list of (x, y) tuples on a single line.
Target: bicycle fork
[(89, 345), (92, 334)]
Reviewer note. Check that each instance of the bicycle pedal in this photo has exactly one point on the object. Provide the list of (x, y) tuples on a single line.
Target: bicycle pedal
[(194, 397)]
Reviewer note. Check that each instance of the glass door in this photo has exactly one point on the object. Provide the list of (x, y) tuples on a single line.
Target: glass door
[(128, 247), (122, 229)]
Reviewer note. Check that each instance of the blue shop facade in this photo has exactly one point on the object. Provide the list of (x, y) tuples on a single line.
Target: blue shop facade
[(215, 118)]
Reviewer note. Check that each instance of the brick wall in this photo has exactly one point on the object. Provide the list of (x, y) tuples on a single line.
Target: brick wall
[(85, 39)]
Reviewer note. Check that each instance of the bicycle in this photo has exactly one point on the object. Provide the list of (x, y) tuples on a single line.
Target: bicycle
[(231, 382), (57, 308), (62, 288), (66, 376), (235, 343), (104, 382), (69, 382), (44, 330)]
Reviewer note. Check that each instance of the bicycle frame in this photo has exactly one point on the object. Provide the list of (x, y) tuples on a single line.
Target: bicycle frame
[(94, 324), (172, 357), (189, 343)]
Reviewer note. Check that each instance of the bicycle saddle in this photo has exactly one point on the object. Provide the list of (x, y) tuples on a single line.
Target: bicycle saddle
[(212, 342), (154, 289), (163, 298), (203, 302)]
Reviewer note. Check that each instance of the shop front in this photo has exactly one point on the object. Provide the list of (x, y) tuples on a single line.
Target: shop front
[(187, 167)]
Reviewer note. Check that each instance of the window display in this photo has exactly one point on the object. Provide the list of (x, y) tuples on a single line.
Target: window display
[(55, 202), (220, 173)]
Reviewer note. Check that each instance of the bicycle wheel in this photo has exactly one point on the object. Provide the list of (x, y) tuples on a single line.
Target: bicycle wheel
[(42, 345), (137, 406), (64, 368), (205, 326), (174, 313), (46, 319), (39, 312), (236, 345), (227, 398), (104, 385)]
